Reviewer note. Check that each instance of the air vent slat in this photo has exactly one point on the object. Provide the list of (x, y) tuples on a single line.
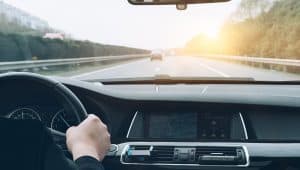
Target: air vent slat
[(160, 157), (140, 147), (216, 150), (162, 153)]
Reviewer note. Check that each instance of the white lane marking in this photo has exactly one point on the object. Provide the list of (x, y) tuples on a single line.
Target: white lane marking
[(204, 90), (105, 69), (215, 70), (156, 89)]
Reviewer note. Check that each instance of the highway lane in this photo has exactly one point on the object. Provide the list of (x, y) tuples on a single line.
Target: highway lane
[(187, 66)]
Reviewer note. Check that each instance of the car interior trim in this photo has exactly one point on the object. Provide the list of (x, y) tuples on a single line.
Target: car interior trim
[(131, 124), (244, 126)]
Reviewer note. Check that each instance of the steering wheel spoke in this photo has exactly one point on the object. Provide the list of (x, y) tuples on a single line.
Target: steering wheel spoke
[(60, 139)]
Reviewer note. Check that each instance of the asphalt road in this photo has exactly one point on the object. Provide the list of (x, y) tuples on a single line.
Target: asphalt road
[(186, 66)]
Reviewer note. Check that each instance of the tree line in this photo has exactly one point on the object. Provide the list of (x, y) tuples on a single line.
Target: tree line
[(265, 28), (12, 26), (18, 42), (16, 47)]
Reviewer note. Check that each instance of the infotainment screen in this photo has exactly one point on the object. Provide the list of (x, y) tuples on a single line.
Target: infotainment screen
[(175, 125), (186, 125)]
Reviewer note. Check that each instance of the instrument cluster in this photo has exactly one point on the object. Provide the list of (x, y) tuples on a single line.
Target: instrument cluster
[(55, 118)]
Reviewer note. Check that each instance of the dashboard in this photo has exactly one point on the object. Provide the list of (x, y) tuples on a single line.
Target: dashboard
[(236, 126)]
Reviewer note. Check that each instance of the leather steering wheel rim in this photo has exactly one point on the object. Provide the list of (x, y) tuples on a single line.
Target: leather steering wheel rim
[(68, 99)]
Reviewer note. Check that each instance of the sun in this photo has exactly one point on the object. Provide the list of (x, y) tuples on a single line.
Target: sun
[(211, 33)]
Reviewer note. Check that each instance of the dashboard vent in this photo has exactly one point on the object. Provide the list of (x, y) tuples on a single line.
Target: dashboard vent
[(137, 154), (162, 153), (207, 155), (140, 147), (185, 155), (204, 150)]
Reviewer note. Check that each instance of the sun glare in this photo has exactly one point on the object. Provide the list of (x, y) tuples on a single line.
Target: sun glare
[(211, 33)]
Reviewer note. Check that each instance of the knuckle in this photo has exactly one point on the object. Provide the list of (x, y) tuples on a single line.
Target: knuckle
[(107, 137), (94, 118), (104, 126), (70, 130)]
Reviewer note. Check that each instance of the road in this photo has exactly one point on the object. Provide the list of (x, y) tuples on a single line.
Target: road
[(186, 66)]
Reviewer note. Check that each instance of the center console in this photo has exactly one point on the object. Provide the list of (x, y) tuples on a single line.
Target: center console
[(186, 125)]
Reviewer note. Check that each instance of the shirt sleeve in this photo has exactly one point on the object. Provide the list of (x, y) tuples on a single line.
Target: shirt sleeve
[(88, 163)]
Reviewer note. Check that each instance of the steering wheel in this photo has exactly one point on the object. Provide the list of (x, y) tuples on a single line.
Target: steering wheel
[(66, 97)]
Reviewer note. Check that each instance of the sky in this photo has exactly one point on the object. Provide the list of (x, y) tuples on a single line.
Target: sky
[(119, 23)]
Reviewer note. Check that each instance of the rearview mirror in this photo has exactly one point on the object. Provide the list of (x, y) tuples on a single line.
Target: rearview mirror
[(180, 4)]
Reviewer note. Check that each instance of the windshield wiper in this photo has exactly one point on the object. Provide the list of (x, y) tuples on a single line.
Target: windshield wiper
[(166, 79)]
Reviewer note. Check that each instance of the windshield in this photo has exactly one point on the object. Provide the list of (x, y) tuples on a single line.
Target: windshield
[(96, 39)]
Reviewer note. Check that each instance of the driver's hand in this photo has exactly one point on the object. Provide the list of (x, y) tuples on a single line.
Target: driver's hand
[(90, 138)]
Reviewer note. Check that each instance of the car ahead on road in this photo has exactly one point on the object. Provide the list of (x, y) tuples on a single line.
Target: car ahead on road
[(193, 111), (156, 56)]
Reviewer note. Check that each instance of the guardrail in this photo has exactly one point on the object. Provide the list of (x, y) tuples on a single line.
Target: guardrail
[(270, 63), (35, 64)]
